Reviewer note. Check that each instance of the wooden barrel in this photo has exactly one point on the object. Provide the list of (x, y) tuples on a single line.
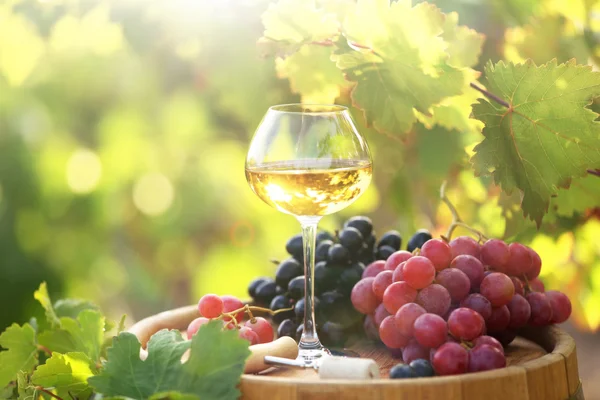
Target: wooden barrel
[(542, 365)]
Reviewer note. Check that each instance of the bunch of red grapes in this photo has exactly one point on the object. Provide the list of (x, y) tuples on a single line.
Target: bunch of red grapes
[(456, 303), (231, 311)]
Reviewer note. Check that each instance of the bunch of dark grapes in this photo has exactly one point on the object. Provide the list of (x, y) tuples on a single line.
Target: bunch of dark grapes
[(455, 304), (340, 261)]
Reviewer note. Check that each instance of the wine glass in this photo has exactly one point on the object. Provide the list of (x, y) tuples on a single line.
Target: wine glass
[(308, 161)]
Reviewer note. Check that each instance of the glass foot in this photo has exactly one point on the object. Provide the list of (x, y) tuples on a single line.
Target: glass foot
[(312, 357)]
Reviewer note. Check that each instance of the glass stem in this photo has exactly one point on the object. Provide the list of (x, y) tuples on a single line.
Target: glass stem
[(309, 340)]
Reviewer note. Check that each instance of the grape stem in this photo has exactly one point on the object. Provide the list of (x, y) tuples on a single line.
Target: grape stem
[(456, 220), (49, 393), (490, 95), (248, 309), (44, 349)]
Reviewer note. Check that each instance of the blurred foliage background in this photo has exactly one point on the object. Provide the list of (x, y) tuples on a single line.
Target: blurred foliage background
[(123, 131)]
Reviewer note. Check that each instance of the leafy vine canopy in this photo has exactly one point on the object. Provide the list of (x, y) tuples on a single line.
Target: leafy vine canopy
[(411, 63)]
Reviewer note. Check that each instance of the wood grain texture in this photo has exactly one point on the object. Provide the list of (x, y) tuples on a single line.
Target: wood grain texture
[(542, 365)]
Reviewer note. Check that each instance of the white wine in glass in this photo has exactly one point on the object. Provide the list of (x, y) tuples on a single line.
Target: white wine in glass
[(308, 161)]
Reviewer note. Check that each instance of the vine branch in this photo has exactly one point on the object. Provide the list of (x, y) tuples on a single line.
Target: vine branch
[(490, 95), (49, 393), (456, 220), (595, 172)]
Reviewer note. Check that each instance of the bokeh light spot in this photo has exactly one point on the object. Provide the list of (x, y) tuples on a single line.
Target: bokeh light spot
[(84, 171), (153, 194), (241, 234)]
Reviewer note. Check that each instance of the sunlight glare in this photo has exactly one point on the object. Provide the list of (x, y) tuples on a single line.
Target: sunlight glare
[(84, 171)]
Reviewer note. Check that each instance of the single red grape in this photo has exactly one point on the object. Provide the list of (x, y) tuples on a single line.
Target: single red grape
[(405, 318), (477, 302), (399, 272), (536, 265), (450, 359), (435, 299), (520, 311), (413, 351), (373, 269), (561, 306), (456, 282), (465, 324), (195, 325), (439, 252), (396, 258), (380, 314), (389, 335), (397, 295), (465, 245), (381, 282), (497, 288), (430, 330), (418, 272), (210, 306), (488, 340), (486, 358), (541, 309), (263, 329), (249, 335), (362, 296), (231, 303), (495, 253), (472, 267)]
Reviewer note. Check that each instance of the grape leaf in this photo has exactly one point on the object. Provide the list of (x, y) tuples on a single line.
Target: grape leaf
[(296, 22), (25, 389), (455, 113), (65, 373), (583, 193), (43, 297), (20, 354), (312, 74), (397, 57), (464, 43), (85, 335), (72, 307), (212, 371), (532, 42), (546, 137)]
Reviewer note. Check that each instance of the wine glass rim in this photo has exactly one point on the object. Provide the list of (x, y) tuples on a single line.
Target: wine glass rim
[(308, 108)]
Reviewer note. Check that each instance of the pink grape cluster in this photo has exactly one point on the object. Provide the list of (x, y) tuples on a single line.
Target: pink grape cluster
[(231, 311), (456, 303)]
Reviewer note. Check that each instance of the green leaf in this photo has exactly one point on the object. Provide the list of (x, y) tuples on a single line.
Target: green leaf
[(398, 60), (65, 373), (531, 41), (212, 372), (20, 354), (8, 392), (464, 43), (85, 335), (295, 22), (43, 297), (583, 193), (72, 307), (546, 138), (174, 396), (312, 74), (25, 389), (121, 326)]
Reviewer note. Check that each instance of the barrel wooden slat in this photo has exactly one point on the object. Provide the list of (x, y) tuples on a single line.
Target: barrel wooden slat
[(565, 345), (547, 378), (493, 384), (544, 370)]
